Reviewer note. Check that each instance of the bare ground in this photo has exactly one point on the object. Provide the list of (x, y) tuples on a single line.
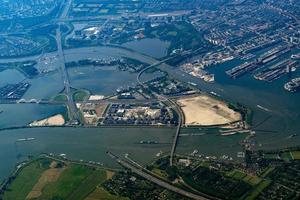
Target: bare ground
[(205, 110)]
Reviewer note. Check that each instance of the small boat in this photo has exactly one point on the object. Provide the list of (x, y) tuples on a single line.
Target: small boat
[(295, 56), (192, 83), (263, 108), (293, 135), (215, 94)]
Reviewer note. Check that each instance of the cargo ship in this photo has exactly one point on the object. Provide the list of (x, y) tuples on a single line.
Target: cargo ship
[(25, 139), (293, 85), (149, 142)]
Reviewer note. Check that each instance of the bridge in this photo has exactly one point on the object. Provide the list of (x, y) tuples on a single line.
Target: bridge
[(167, 101), (36, 101)]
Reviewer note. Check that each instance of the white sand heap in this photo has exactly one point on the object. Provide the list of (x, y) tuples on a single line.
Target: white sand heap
[(56, 120), (96, 97)]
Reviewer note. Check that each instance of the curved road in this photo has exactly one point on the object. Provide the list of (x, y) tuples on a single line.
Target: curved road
[(166, 100)]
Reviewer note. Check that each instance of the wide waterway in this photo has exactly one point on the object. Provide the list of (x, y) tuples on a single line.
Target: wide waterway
[(147, 45), (273, 127), (19, 115), (92, 144), (82, 143), (280, 115)]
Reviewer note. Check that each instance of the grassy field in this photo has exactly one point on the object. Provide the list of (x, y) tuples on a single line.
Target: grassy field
[(239, 175), (76, 182), (88, 185), (295, 155), (286, 156), (101, 194), (160, 173), (252, 180), (271, 156), (267, 172), (60, 97), (25, 181), (80, 95), (258, 189), (172, 33)]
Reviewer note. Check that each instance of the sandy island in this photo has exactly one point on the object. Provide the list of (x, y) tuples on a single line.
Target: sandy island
[(206, 111), (56, 120)]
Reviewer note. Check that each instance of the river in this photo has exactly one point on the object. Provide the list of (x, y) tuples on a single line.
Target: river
[(82, 143), (273, 127)]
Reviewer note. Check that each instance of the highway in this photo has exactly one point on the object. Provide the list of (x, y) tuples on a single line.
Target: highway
[(66, 9), (102, 101), (180, 123), (65, 76), (168, 101), (157, 181), (71, 104)]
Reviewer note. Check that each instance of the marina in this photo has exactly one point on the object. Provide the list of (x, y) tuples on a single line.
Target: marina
[(241, 70), (274, 72), (14, 91), (266, 58)]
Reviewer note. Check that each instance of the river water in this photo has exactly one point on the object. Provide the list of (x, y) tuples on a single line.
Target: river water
[(273, 127), (18, 115), (274, 124), (147, 45), (82, 143)]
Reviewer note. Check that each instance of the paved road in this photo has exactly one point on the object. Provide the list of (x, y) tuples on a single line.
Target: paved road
[(168, 101), (71, 103), (102, 101), (65, 76), (156, 180), (180, 123), (66, 9)]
